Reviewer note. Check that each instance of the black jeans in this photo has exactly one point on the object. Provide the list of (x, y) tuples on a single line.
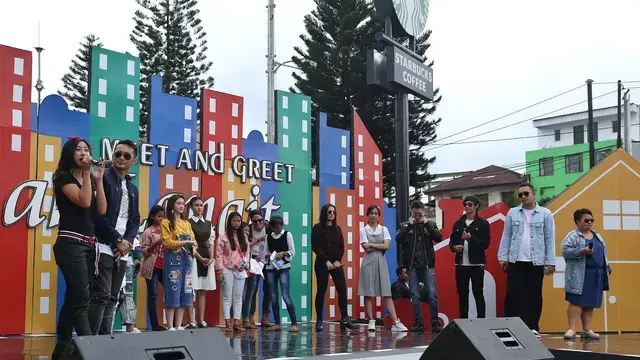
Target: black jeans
[(524, 293), (76, 260), (322, 277), (152, 295), (105, 289), (475, 274)]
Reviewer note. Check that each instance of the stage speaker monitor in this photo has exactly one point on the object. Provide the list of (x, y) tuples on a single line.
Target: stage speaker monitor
[(486, 339), (197, 344)]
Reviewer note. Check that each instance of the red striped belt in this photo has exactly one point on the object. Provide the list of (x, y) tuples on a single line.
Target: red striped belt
[(77, 236)]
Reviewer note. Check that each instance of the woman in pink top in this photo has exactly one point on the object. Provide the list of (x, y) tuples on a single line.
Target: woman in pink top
[(232, 263), (151, 269)]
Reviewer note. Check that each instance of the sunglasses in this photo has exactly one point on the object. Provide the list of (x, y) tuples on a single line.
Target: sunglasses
[(523, 194), (589, 221), (468, 204), (119, 154), (331, 212), (257, 221)]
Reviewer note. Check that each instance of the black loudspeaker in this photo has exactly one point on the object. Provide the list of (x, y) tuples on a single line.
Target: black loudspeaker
[(562, 354), (197, 344), (484, 339)]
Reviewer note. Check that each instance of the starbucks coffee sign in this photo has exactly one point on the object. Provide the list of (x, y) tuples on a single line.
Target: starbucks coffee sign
[(409, 17)]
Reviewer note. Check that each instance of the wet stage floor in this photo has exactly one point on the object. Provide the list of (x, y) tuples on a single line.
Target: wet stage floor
[(261, 344)]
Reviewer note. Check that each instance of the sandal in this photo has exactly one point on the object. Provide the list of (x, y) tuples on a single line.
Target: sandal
[(275, 327), (294, 329)]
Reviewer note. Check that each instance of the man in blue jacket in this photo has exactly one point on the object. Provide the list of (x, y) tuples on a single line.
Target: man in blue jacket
[(117, 230), (527, 252)]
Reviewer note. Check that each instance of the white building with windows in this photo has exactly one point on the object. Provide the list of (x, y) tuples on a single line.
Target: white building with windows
[(571, 129)]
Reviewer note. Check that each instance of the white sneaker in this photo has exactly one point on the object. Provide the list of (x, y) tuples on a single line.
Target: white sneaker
[(134, 331), (372, 325), (399, 327), (172, 329), (536, 333), (181, 328)]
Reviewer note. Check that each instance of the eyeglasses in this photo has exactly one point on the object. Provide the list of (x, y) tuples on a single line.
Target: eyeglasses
[(523, 194), (119, 154), (257, 221), (589, 221), (331, 212), (469, 204)]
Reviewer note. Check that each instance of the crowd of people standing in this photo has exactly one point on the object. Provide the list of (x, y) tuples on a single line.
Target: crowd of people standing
[(97, 246)]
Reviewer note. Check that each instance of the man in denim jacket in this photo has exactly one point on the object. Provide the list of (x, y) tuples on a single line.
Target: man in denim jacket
[(528, 252)]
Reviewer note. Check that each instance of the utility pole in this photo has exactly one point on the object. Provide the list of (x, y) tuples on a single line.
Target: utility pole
[(39, 87), (271, 73), (619, 125), (592, 150), (627, 125)]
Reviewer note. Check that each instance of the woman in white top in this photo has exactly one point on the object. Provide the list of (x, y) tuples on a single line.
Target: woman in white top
[(374, 273)]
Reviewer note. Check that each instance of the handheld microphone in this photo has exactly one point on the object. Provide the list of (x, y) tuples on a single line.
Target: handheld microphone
[(590, 248), (96, 162)]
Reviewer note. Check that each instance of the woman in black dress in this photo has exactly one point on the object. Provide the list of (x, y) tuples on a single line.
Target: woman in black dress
[(327, 243), (79, 195)]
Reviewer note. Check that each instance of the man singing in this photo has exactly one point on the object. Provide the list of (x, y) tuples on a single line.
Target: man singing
[(527, 252), (470, 239), (415, 239), (121, 226)]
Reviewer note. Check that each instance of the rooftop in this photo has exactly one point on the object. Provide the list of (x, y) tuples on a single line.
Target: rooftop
[(580, 116), (491, 175)]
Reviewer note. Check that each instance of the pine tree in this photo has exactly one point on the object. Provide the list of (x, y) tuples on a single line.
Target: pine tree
[(171, 42), (76, 81), (332, 73)]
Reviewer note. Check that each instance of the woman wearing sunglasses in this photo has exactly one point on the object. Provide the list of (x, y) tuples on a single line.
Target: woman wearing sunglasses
[(327, 243), (586, 274)]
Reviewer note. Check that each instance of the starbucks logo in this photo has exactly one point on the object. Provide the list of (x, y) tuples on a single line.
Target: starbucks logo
[(412, 15)]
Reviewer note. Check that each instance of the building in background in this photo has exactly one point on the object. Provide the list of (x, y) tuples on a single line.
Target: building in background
[(492, 184), (563, 149)]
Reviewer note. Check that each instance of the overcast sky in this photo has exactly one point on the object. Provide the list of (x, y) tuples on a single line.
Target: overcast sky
[(491, 57)]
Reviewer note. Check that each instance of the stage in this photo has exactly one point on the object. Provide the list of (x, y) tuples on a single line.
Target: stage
[(261, 344)]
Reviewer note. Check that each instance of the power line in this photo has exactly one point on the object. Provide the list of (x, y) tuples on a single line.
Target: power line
[(509, 114), (519, 137), (519, 122)]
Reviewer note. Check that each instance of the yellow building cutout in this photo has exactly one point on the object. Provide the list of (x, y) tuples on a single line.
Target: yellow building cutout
[(611, 190)]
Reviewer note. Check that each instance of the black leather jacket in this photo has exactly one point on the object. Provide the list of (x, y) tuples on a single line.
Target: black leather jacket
[(406, 238)]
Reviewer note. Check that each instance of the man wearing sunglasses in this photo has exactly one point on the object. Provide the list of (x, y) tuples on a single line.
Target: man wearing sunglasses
[(415, 240), (469, 241), (121, 224), (527, 252)]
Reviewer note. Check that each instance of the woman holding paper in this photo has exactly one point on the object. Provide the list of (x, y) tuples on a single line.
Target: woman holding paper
[(279, 251), (232, 263)]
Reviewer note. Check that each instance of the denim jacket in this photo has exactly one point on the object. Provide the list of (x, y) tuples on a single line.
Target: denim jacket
[(543, 247), (576, 265)]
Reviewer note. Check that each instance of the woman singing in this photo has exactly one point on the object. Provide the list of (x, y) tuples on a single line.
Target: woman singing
[(151, 269), (586, 274), (232, 263), (77, 197), (374, 273), (205, 278), (179, 245), (327, 243)]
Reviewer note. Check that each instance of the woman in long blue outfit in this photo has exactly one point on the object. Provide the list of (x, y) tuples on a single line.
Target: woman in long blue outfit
[(586, 274)]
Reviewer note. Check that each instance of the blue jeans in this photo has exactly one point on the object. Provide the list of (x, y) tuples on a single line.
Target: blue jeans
[(428, 278), (250, 294), (152, 295), (178, 286), (273, 276)]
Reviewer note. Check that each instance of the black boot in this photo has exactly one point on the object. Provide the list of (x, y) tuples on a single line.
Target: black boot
[(418, 326), (435, 325), (346, 324), (319, 326)]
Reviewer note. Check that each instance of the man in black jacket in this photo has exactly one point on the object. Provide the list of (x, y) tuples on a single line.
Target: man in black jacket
[(469, 240), (400, 288), (119, 229), (415, 240)]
